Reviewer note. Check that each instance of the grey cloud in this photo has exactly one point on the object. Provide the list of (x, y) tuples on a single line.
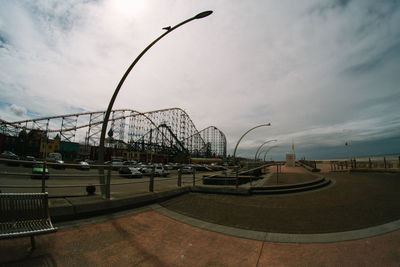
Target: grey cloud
[(18, 110)]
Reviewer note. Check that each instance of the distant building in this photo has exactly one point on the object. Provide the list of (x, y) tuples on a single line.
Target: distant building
[(49, 145), (291, 159), (69, 150)]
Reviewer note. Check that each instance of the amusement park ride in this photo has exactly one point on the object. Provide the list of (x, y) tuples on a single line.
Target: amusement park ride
[(166, 131)]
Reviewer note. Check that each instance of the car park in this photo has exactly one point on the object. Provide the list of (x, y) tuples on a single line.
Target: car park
[(130, 172), (37, 171)]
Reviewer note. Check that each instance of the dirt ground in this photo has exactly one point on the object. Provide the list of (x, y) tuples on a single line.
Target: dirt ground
[(355, 201)]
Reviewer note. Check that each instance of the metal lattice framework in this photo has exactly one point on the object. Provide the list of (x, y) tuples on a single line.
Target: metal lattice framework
[(163, 131)]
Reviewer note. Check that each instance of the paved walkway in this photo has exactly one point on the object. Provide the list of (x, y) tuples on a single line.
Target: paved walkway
[(149, 238)]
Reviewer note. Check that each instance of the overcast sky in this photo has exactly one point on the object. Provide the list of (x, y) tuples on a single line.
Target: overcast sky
[(321, 72)]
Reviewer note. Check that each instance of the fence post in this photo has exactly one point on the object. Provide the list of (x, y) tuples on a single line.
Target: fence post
[(44, 176), (346, 164), (277, 173), (180, 177), (384, 161), (194, 176), (108, 183), (151, 184), (369, 163), (237, 177)]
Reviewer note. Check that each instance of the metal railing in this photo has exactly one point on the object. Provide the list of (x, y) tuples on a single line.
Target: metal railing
[(66, 179)]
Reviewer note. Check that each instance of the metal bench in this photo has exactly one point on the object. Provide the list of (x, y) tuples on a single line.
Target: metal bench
[(24, 214)]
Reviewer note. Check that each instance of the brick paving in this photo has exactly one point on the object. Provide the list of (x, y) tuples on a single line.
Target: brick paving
[(357, 200), (149, 238)]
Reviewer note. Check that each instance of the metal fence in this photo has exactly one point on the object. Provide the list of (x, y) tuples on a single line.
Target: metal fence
[(70, 182)]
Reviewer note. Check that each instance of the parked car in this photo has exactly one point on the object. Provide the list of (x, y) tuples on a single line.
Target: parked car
[(203, 168), (83, 165), (37, 171), (11, 156), (8, 155), (158, 170), (54, 157), (187, 170), (129, 163), (130, 172), (116, 165), (59, 165)]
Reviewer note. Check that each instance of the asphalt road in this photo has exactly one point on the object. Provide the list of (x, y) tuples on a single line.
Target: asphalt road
[(73, 182)]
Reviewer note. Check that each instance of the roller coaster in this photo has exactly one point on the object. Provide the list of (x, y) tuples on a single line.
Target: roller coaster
[(160, 131)]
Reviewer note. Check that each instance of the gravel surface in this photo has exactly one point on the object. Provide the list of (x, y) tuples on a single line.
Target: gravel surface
[(356, 201)]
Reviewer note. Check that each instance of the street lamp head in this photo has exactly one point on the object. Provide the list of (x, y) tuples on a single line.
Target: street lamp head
[(203, 14)]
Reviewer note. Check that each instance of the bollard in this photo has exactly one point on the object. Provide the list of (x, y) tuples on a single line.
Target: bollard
[(180, 177), (277, 173), (384, 161), (346, 164), (194, 176), (355, 163), (369, 163)]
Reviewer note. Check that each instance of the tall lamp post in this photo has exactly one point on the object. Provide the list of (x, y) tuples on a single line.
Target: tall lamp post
[(121, 82), (240, 139), (266, 142)]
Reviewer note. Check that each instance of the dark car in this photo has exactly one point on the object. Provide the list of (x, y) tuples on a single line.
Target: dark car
[(130, 172), (29, 161), (37, 171)]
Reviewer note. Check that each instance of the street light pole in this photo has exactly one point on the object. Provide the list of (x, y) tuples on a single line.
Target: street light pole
[(266, 152), (121, 82), (255, 157), (234, 152)]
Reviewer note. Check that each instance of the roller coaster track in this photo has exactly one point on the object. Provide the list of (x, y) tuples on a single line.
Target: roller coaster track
[(141, 127)]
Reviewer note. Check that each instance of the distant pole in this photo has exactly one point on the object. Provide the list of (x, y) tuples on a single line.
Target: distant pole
[(121, 82)]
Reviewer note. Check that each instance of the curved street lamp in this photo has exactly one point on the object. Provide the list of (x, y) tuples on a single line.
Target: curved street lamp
[(234, 152), (121, 82), (266, 142), (266, 152)]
